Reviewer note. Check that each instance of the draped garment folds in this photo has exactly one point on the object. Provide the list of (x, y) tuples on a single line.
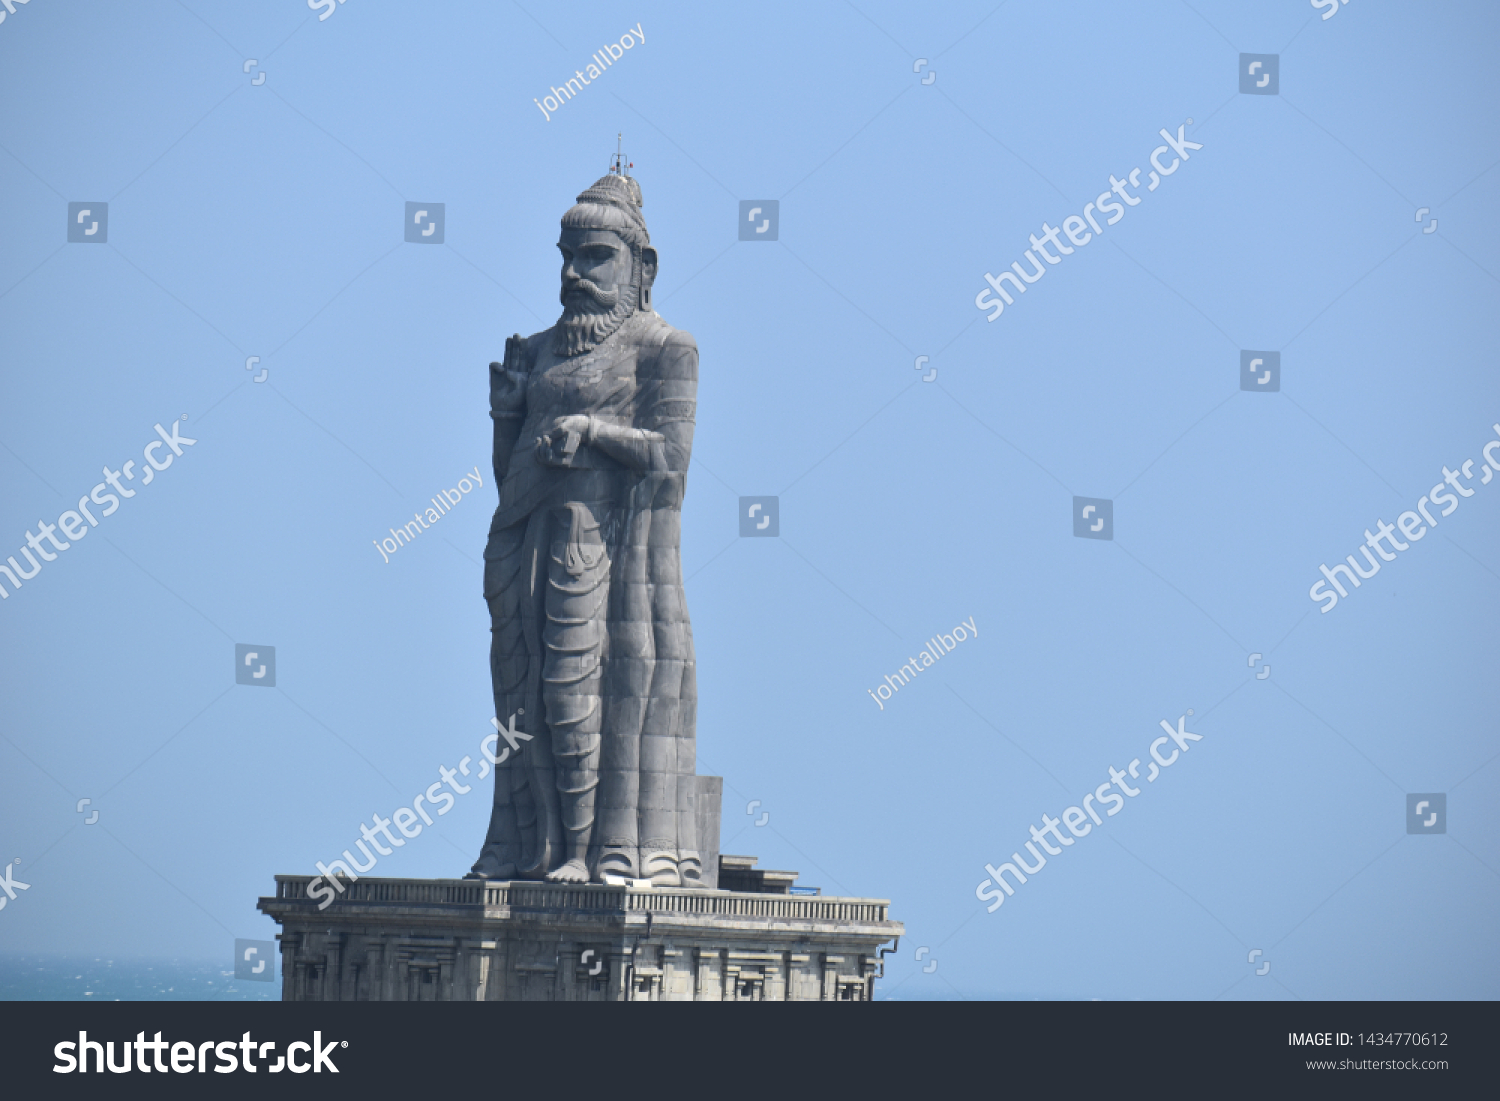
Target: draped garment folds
[(592, 649)]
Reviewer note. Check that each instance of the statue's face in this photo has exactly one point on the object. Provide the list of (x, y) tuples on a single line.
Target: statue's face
[(596, 269)]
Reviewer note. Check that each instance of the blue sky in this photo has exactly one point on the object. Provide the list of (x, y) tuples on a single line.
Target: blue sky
[(264, 220)]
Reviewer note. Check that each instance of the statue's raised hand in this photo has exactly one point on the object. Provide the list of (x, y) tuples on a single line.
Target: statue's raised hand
[(508, 379)]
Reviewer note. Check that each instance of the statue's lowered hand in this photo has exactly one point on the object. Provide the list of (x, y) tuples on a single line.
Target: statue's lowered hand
[(560, 444)]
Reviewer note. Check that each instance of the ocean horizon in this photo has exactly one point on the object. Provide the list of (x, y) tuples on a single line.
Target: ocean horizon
[(59, 978)]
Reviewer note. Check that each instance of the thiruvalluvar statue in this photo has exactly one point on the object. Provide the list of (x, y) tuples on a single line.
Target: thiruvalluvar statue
[(592, 651)]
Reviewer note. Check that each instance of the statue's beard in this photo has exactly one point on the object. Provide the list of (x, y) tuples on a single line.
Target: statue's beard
[(590, 315)]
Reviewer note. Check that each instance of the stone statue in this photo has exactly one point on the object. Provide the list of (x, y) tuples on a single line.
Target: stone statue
[(592, 649)]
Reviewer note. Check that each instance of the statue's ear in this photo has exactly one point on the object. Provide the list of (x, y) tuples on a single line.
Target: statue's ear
[(648, 275)]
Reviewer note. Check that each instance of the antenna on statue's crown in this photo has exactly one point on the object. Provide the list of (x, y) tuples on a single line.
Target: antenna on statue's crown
[(618, 167)]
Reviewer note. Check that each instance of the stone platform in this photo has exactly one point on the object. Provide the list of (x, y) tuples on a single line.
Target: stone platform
[(470, 940)]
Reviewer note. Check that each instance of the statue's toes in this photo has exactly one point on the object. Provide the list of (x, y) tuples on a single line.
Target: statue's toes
[(490, 866), (571, 872)]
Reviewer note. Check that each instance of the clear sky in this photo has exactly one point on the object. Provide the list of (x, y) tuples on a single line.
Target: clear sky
[(265, 220)]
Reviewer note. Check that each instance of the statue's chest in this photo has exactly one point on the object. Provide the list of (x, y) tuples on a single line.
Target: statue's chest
[(588, 383)]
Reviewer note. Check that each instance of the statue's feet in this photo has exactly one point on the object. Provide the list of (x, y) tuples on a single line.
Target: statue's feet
[(491, 865), (574, 871), (537, 869), (661, 869), (617, 860), (690, 867)]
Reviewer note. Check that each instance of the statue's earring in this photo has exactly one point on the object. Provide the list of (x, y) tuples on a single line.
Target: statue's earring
[(645, 297)]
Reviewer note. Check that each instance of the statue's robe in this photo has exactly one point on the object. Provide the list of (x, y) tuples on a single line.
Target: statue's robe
[(592, 643)]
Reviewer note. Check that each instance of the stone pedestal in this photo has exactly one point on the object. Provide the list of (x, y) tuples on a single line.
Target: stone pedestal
[(708, 800), (470, 940)]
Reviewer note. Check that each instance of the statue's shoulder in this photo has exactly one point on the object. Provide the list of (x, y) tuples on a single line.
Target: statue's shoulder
[(667, 352), (536, 343)]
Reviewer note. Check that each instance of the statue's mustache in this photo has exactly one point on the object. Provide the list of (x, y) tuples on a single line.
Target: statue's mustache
[(598, 294)]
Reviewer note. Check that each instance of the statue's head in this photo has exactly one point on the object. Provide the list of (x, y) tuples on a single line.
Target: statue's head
[(608, 263)]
